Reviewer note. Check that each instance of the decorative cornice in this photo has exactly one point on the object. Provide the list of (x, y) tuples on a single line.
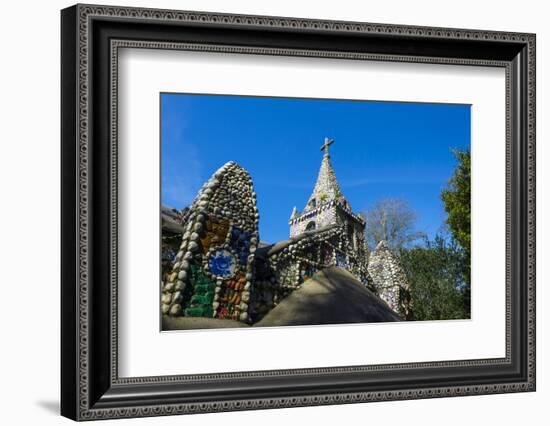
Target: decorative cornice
[(264, 22)]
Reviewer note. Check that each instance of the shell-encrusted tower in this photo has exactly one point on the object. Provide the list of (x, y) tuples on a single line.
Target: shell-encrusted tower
[(389, 279), (213, 271), (328, 206)]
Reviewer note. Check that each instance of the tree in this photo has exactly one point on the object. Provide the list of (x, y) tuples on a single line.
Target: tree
[(393, 220), (435, 274), (457, 200)]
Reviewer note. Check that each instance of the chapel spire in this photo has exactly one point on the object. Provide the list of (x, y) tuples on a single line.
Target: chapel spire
[(326, 188), (328, 207)]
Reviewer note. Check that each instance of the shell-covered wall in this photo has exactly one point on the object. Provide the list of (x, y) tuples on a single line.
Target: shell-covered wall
[(213, 271), (323, 215), (289, 264), (389, 279)]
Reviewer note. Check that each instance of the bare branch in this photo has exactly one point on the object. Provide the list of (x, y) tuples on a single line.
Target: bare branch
[(393, 220)]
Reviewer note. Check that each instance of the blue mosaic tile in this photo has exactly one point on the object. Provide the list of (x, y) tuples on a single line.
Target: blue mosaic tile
[(222, 263), (240, 242)]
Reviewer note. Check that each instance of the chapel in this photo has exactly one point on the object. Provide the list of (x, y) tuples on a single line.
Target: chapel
[(223, 270)]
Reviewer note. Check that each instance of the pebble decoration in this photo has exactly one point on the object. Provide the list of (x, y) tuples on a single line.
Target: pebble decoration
[(220, 272), (389, 278), (215, 261)]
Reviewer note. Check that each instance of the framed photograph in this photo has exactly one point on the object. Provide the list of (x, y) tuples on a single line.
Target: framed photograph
[(263, 212)]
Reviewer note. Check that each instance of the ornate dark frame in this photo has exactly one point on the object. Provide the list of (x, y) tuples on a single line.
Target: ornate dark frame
[(91, 37)]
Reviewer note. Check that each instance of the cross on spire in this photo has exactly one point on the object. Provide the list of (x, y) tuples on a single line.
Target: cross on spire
[(325, 146)]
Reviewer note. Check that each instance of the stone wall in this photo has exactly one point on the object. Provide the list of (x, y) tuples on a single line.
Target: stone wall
[(213, 270), (328, 213), (283, 267), (324, 215)]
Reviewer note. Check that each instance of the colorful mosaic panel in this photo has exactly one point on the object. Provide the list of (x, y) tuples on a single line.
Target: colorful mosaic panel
[(200, 303), (220, 253), (215, 233), (222, 263), (240, 243), (231, 298)]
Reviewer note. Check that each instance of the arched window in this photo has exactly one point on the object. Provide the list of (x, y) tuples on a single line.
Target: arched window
[(313, 202), (310, 226)]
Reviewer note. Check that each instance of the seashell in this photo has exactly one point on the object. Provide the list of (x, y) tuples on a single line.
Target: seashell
[(175, 309)]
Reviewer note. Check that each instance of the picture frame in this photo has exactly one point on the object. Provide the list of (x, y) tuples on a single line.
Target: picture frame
[(90, 384)]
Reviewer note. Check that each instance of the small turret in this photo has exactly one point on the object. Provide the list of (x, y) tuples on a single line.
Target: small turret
[(389, 279)]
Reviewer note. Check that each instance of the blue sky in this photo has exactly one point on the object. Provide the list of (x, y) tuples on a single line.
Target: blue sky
[(381, 150)]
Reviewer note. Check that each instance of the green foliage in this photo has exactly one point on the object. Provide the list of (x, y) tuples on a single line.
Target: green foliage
[(435, 272), (457, 201), (438, 271)]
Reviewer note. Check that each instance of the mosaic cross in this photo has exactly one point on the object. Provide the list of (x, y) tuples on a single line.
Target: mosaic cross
[(325, 146)]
